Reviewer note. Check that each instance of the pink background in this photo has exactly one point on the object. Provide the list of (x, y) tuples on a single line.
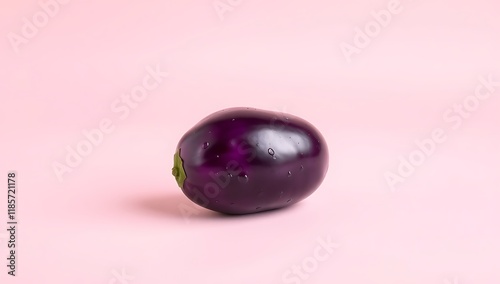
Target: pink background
[(118, 210)]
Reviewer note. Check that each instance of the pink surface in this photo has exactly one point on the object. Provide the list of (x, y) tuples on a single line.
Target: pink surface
[(115, 217)]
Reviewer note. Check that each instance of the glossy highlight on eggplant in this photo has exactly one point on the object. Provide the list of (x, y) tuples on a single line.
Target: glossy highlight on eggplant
[(246, 160)]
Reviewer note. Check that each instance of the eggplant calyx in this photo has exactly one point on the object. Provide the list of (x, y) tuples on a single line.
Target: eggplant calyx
[(178, 169)]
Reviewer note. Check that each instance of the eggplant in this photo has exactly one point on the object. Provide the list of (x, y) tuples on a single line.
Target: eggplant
[(246, 160)]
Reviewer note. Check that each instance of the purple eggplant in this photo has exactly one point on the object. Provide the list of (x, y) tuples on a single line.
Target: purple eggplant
[(243, 160)]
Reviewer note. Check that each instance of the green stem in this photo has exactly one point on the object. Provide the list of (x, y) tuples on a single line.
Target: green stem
[(178, 169)]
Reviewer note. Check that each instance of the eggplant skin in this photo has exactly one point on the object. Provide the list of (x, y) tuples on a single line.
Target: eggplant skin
[(246, 160)]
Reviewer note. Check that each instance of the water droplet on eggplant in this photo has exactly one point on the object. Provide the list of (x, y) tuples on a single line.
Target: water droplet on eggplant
[(242, 178)]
